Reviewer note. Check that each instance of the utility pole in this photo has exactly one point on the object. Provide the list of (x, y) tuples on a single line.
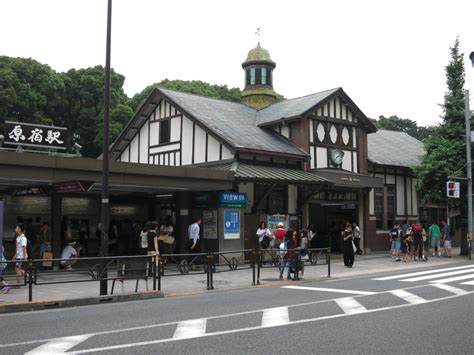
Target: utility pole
[(469, 171), (104, 245)]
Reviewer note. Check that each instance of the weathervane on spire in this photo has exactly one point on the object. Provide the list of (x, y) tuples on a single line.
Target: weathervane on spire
[(258, 34)]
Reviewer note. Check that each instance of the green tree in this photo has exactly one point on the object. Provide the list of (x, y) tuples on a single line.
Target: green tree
[(29, 91), (445, 151), (193, 87), (82, 107), (395, 123)]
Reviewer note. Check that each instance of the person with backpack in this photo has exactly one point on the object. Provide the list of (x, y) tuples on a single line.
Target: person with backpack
[(21, 252), (395, 239), (448, 234), (417, 230), (286, 252), (348, 249)]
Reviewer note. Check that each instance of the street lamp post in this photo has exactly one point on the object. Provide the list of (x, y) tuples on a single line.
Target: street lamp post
[(468, 116), (104, 245), (469, 170)]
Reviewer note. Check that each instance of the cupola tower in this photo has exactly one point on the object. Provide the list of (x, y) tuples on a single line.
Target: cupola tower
[(258, 92)]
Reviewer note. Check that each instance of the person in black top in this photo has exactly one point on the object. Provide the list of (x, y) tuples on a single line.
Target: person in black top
[(152, 237), (348, 249)]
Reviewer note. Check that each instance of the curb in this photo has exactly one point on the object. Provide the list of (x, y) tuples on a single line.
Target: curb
[(61, 302)]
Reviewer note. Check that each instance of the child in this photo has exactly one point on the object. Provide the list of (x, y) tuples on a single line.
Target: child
[(395, 238)]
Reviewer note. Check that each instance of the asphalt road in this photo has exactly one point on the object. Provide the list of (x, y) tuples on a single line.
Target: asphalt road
[(422, 311)]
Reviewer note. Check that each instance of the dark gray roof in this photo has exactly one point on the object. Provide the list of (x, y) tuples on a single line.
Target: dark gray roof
[(291, 108), (233, 122), (264, 172), (394, 148)]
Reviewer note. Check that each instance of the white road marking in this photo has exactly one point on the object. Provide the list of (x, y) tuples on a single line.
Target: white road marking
[(335, 290), (449, 288), (275, 316), (437, 276), (452, 279), (190, 329), (408, 296), (59, 345), (468, 283), (233, 331), (401, 276), (151, 326), (350, 306)]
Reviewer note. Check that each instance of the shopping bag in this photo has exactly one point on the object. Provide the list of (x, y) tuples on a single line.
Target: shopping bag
[(47, 256)]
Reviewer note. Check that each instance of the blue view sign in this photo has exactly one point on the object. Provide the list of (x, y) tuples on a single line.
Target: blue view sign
[(231, 224), (233, 199)]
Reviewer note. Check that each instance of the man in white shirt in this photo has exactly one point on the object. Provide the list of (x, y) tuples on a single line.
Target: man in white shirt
[(20, 254), (69, 255), (193, 233)]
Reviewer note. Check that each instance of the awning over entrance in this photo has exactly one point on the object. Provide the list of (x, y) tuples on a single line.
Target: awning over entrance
[(269, 173), (345, 179), (29, 169)]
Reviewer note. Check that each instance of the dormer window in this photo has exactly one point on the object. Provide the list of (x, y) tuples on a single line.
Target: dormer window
[(264, 76), (252, 76)]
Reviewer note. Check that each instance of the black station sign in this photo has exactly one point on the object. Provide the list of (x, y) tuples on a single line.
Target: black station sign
[(34, 135)]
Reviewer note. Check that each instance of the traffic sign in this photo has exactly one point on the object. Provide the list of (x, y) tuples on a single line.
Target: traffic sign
[(453, 189)]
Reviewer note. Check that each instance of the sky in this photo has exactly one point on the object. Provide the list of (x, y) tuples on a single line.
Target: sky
[(389, 56)]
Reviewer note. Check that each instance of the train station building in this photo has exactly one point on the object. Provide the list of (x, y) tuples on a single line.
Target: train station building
[(303, 161)]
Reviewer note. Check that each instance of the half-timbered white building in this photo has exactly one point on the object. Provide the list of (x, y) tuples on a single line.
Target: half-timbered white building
[(305, 158)]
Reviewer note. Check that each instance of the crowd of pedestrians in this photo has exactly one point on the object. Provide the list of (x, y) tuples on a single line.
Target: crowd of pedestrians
[(418, 241)]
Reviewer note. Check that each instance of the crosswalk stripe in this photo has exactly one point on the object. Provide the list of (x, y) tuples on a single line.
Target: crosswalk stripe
[(190, 329), (408, 296), (350, 306), (335, 290), (449, 288), (437, 276), (275, 316), (468, 283), (59, 345), (452, 279), (401, 276)]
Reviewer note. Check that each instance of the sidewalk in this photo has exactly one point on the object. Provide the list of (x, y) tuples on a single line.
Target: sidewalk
[(196, 283)]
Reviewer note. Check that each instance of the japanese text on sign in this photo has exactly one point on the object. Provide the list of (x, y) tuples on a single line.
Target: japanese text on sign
[(27, 134)]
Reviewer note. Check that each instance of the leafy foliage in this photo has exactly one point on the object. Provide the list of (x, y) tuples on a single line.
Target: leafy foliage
[(33, 92), (193, 87), (445, 147), (395, 123), (29, 91)]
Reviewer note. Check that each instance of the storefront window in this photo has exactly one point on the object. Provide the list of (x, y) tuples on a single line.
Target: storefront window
[(379, 207), (390, 206)]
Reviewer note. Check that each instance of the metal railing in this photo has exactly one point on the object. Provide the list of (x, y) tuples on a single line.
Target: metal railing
[(146, 267)]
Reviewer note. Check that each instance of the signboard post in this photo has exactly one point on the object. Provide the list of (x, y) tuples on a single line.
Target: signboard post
[(210, 224), (231, 224), (34, 135)]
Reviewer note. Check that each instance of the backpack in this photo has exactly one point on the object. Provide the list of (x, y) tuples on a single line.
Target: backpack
[(417, 231), (452, 232), (283, 249), (29, 249), (394, 233)]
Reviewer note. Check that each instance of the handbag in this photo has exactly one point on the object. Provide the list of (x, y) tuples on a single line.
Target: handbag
[(354, 247), (3, 262), (265, 242), (168, 239)]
